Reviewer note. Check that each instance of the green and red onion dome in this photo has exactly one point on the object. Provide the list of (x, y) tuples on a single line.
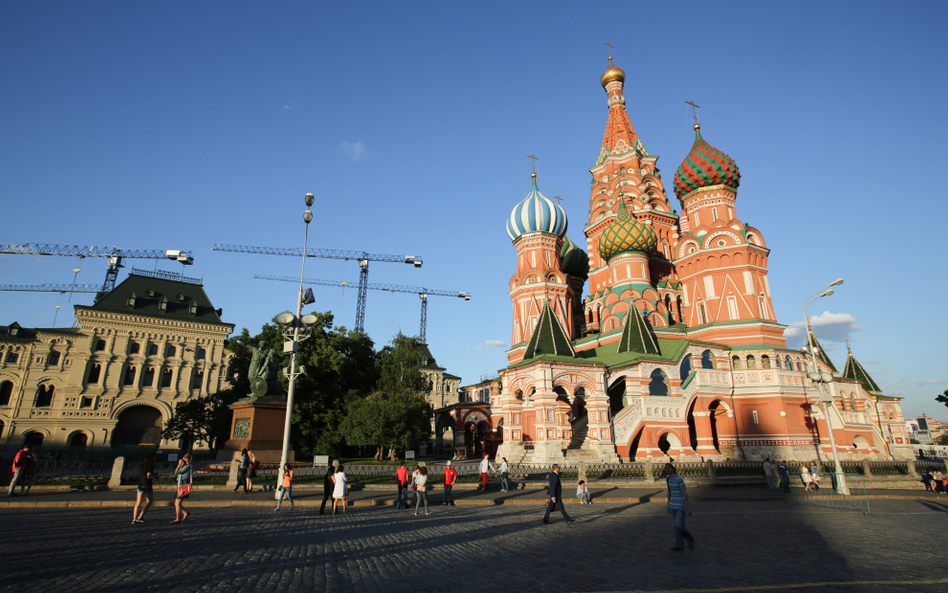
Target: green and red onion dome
[(705, 166), (626, 234)]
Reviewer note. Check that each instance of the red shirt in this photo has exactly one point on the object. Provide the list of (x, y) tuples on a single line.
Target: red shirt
[(402, 475), (450, 474), (21, 461)]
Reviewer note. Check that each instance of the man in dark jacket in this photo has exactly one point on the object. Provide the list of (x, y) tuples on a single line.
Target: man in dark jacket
[(555, 493)]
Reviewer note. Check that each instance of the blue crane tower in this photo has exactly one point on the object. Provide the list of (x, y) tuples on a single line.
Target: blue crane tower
[(361, 257), (423, 294), (114, 254)]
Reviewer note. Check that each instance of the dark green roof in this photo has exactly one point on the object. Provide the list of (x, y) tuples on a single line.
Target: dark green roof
[(548, 337), (854, 371), (427, 358), (637, 337), (671, 351), (161, 298), (821, 353)]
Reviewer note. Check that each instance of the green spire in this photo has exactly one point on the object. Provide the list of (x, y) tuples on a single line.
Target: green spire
[(549, 337), (637, 337), (855, 372), (821, 353)]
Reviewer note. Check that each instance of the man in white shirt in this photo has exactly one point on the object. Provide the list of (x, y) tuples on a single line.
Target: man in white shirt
[(770, 474), (485, 467)]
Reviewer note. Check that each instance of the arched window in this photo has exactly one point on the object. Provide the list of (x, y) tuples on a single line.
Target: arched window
[(80, 439), (129, 376), (765, 362), (787, 364), (53, 358), (735, 362), (44, 396), (95, 371), (172, 351), (685, 369), (751, 362), (148, 377), (702, 314), (707, 360), (33, 439), (166, 378), (852, 402), (658, 386), (197, 380), (6, 391)]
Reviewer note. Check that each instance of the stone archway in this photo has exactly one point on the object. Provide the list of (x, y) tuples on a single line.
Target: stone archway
[(138, 425), (78, 440), (669, 443)]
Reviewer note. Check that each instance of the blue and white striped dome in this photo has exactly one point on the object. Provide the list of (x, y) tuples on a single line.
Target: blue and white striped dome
[(536, 214)]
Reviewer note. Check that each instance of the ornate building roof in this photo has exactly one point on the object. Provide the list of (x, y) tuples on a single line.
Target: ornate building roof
[(573, 260), (548, 337), (620, 137), (626, 234), (821, 353), (536, 214), (853, 370), (637, 336), (705, 166)]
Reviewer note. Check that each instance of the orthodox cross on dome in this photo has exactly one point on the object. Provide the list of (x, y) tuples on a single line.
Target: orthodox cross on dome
[(694, 110), (609, 45), (848, 349), (534, 162), (559, 200)]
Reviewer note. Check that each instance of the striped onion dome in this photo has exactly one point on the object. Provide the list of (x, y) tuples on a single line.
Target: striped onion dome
[(704, 166), (536, 214)]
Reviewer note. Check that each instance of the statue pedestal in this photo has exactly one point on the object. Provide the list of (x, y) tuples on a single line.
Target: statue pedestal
[(258, 426)]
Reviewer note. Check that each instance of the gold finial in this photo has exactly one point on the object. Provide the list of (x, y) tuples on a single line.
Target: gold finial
[(612, 72), (609, 45), (533, 164), (694, 113), (848, 349)]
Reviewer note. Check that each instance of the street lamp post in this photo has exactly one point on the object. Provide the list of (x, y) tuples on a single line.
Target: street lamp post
[(288, 322), (826, 396)]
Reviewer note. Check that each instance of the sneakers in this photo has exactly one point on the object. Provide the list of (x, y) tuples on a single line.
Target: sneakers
[(571, 521)]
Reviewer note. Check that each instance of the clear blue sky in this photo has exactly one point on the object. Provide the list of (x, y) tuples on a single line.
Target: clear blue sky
[(177, 125)]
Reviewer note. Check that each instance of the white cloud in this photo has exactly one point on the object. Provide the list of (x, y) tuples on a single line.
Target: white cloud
[(354, 150), (488, 344), (828, 327), (933, 382)]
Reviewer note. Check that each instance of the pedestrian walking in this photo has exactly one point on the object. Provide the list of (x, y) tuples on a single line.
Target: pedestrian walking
[(185, 480), (927, 479), (252, 467), (939, 482), (582, 493), (242, 471), (286, 489), (450, 475), (815, 474), (784, 470), (555, 492), (679, 505), (339, 489), (144, 496), (401, 476), (504, 471), (485, 467), (770, 474), (328, 485), (20, 468), (420, 486), (806, 477)]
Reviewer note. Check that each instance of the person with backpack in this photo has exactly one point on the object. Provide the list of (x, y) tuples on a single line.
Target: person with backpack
[(450, 476)]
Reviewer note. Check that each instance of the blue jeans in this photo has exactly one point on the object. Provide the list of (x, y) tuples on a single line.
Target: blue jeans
[(286, 491), (421, 495), (504, 482), (678, 526), (401, 494)]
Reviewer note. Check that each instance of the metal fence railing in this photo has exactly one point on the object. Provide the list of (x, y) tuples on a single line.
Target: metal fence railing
[(826, 490), (90, 470)]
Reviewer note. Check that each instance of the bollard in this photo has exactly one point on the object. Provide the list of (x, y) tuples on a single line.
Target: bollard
[(581, 466), (866, 469), (649, 477), (711, 471), (912, 471), (232, 476), (118, 466)]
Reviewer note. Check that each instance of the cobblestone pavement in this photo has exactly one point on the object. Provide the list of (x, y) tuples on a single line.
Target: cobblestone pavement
[(741, 546)]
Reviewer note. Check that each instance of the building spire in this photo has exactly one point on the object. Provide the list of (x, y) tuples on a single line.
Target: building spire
[(694, 114)]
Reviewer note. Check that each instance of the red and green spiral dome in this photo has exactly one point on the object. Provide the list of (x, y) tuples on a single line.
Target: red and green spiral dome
[(705, 166)]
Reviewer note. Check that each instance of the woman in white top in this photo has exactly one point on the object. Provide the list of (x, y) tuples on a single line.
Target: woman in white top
[(420, 483), (805, 476), (339, 490)]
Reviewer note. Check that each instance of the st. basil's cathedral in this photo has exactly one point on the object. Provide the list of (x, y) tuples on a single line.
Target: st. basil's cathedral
[(660, 339)]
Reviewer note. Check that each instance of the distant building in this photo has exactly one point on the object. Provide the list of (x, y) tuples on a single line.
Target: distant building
[(444, 392), (463, 429), (113, 381)]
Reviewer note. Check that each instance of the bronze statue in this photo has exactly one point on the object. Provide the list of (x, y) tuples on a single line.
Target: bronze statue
[(263, 369)]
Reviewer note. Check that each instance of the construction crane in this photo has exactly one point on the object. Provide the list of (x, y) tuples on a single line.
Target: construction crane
[(361, 257), (60, 288), (114, 254), (423, 294)]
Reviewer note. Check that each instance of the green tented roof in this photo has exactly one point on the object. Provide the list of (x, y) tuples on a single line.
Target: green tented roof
[(854, 371), (548, 337), (161, 298), (636, 336), (607, 356), (822, 353)]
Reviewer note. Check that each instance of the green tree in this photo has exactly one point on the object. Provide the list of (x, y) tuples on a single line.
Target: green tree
[(943, 398), (205, 419), (400, 368), (382, 420)]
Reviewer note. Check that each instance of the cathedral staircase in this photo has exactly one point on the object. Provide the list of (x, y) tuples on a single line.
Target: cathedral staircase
[(575, 451)]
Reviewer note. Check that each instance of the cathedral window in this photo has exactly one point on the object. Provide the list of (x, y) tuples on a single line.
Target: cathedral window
[(714, 213), (762, 304), (751, 362), (765, 362), (787, 364), (702, 314), (6, 391), (736, 362), (707, 361), (732, 308), (44, 396), (756, 420), (658, 386)]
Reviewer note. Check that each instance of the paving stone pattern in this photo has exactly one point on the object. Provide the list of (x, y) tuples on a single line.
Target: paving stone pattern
[(741, 546)]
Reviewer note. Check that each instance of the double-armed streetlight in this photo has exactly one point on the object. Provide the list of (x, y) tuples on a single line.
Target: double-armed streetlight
[(291, 325), (819, 378)]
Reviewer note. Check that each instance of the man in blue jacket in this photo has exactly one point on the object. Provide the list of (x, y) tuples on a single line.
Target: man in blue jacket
[(555, 493)]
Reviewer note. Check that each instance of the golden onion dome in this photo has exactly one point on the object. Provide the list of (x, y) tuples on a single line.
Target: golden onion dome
[(612, 73)]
